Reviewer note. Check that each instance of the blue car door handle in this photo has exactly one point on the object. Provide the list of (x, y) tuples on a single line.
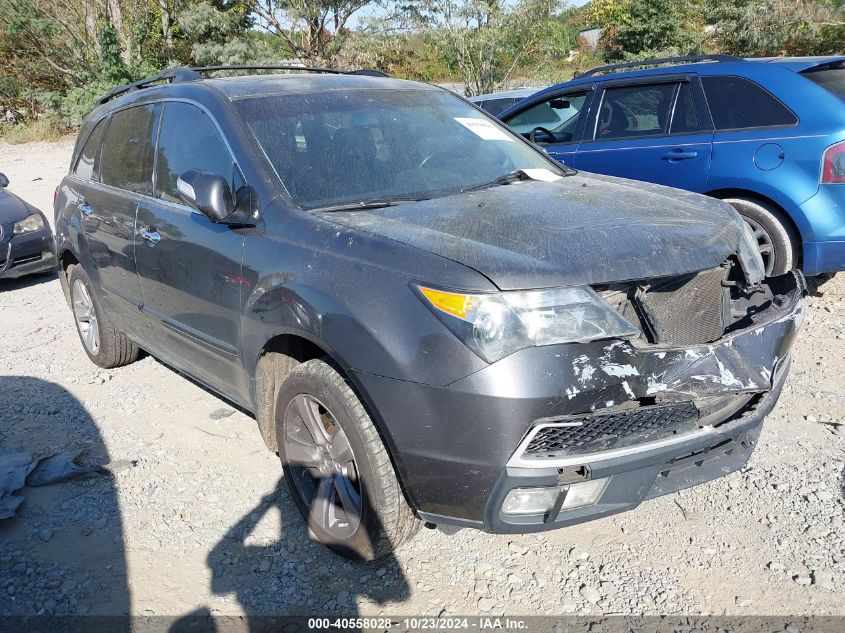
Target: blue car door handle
[(678, 154)]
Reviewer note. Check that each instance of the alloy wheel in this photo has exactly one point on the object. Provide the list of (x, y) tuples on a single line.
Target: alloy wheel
[(86, 317), (323, 467), (764, 243)]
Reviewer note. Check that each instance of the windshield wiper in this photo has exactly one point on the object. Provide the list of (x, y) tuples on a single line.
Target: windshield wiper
[(378, 203), (509, 178)]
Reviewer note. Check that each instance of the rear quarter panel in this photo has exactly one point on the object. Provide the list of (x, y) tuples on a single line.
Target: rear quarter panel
[(745, 160)]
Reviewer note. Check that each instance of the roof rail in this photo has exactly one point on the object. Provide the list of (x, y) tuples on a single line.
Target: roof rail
[(178, 74), (659, 62), (182, 74)]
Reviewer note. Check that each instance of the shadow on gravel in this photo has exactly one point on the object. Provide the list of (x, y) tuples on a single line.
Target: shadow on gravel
[(816, 285), (8, 285), (293, 576), (62, 553)]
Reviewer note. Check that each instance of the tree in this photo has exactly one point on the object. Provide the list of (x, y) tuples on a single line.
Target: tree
[(648, 28), (313, 30), (777, 27), (488, 39), (220, 35)]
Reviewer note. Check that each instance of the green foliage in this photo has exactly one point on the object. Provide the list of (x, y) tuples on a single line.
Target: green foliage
[(79, 101), (777, 27), (489, 40), (58, 58), (43, 129), (650, 28), (112, 67), (218, 37)]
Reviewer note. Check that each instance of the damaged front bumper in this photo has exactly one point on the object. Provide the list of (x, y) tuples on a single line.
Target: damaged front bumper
[(640, 419)]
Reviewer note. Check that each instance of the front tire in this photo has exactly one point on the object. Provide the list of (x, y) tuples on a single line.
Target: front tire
[(106, 346), (773, 233), (336, 466)]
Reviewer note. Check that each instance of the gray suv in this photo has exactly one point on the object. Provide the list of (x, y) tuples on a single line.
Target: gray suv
[(432, 321)]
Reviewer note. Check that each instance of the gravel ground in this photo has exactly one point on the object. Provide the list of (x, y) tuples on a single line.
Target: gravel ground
[(193, 517)]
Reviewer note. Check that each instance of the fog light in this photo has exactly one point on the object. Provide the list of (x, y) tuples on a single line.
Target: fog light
[(530, 500), (584, 493)]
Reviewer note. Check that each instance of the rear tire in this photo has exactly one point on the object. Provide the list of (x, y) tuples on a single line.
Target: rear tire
[(333, 459), (778, 244), (106, 346)]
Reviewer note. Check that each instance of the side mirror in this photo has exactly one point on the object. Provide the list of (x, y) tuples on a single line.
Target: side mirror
[(207, 193), (559, 104), (4, 181)]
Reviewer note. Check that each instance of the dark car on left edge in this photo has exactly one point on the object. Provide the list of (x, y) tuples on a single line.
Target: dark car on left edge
[(26, 241)]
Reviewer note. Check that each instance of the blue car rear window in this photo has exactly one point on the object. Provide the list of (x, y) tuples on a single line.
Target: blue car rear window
[(738, 103), (830, 76)]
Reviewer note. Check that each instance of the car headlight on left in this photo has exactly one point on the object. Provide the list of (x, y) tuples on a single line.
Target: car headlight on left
[(497, 324), (34, 222)]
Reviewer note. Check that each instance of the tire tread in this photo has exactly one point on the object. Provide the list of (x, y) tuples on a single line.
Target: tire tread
[(116, 349), (398, 524)]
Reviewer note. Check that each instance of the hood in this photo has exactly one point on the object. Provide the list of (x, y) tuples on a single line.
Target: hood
[(12, 208), (578, 230)]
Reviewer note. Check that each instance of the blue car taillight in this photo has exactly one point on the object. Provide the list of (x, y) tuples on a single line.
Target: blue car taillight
[(833, 164)]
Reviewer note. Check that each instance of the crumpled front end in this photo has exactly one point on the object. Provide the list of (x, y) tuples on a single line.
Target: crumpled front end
[(560, 434)]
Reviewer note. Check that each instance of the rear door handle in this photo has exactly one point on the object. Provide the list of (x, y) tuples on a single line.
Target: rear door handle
[(679, 154), (151, 235), (85, 208)]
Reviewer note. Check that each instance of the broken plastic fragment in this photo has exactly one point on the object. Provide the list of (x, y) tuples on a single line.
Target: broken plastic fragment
[(57, 468)]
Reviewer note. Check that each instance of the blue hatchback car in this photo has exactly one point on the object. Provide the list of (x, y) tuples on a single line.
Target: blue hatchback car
[(766, 135)]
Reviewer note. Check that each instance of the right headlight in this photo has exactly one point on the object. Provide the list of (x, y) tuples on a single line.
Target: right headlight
[(496, 324)]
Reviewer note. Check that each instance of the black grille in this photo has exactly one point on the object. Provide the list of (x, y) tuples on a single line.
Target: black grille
[(603, 431), (687, 310)]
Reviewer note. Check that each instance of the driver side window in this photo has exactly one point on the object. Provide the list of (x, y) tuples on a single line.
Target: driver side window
[(553, 120)]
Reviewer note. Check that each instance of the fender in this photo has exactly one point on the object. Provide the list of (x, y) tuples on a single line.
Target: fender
[(738, 187)]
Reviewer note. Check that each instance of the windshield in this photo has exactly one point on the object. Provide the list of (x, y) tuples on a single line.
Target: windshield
[(336, 148), (830, 76)]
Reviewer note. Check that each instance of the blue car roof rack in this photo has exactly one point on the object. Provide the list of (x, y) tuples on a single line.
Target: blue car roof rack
[(182, 74), (688, 59)]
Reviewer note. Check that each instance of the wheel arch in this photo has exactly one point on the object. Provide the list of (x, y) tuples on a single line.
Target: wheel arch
[(753, 196), (66, 259), (285, 350)]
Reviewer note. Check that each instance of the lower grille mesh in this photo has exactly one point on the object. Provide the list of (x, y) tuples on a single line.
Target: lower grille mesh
[(603, 431)]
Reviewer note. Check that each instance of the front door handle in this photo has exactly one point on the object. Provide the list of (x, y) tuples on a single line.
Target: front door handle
[(678, 154), (85, 208), (151, 235)]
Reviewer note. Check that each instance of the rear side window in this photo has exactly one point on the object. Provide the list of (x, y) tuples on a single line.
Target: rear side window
[(189, 140), (633, 111), (737, 103), (830, 76), (685, 118), (87, 163), (127, 150)]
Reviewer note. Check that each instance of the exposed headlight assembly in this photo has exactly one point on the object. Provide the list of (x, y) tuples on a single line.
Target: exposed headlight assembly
[(750, 257), (496, 324), (34, 222)]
